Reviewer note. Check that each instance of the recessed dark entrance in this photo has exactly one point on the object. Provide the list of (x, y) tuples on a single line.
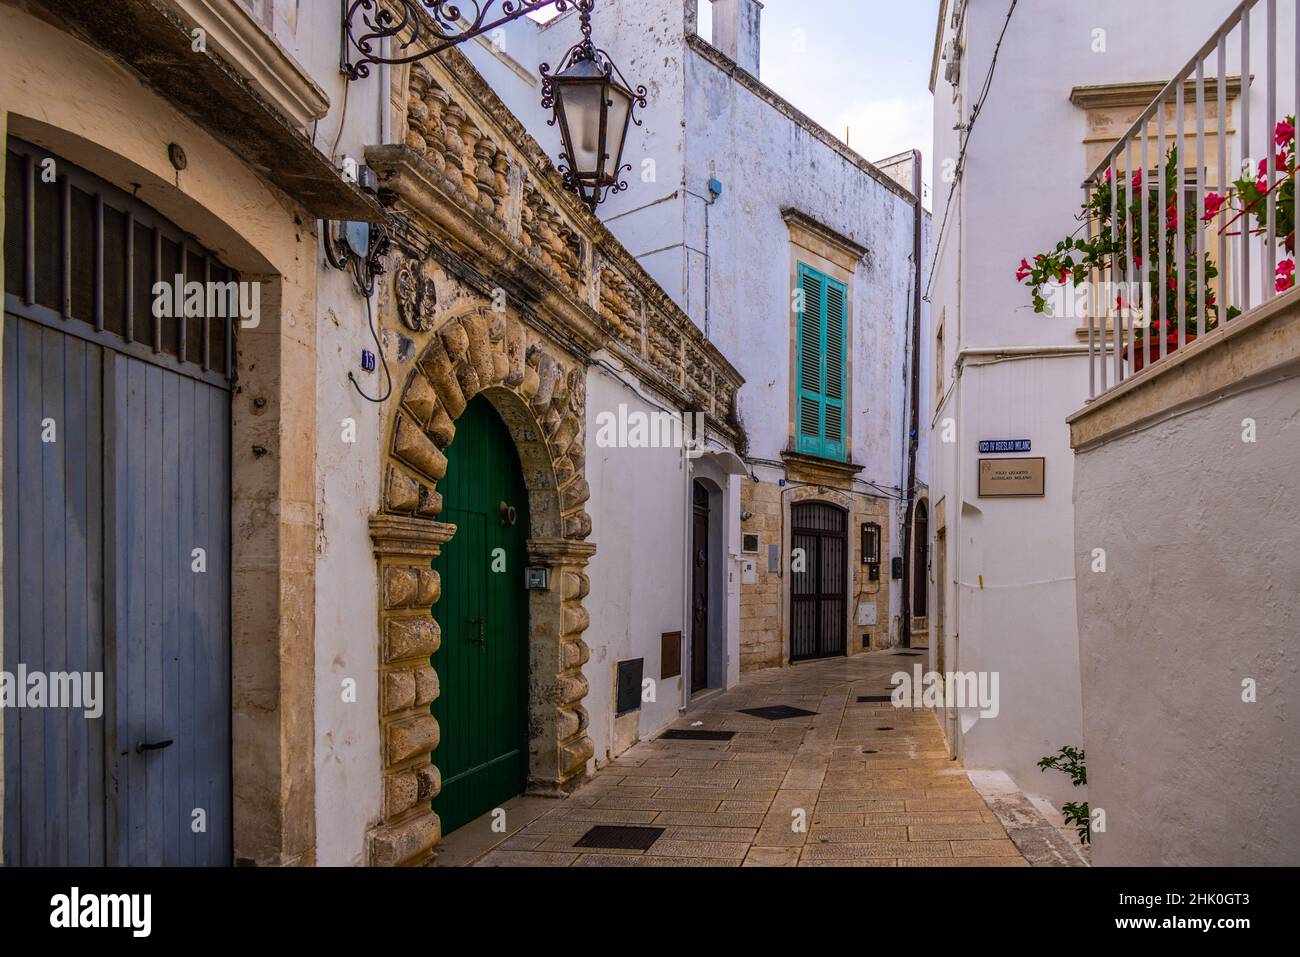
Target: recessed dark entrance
[(700, 587), (920, 561), (818, 581)]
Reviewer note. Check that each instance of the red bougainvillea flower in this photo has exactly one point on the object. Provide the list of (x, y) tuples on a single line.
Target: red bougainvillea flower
[(1171, 216), (1108, 174), (1137, 180), (1023, 271), (1284, 133), (1285, 274), (1063, 274), (1213, 203), (1261, 184)]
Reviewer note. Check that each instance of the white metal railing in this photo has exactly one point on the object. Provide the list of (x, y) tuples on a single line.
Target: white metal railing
[(1163, 273)]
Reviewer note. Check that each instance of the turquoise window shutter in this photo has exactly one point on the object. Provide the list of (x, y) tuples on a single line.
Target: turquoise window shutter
[(809, 402), (820, 343), (834, 330)]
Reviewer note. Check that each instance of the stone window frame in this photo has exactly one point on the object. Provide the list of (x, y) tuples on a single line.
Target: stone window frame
[(837, 256)]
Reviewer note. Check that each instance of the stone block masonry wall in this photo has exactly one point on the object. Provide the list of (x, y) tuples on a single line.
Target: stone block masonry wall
[(761, 641), (764, 612)]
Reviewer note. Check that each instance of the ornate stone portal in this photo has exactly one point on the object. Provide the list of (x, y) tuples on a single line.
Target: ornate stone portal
[(541, 399), (530, 286)]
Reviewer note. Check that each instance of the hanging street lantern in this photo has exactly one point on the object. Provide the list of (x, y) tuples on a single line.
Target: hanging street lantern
[(588, 96), (594, 107)]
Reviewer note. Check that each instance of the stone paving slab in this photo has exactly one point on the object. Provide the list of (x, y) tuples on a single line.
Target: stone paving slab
[(832, 789)]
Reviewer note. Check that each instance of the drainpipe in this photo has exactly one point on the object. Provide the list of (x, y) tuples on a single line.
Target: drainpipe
[(715, 190), (913, 424), (687, 503)]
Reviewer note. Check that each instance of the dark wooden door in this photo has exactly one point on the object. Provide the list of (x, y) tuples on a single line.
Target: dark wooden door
[(482, 662), (700, 588), (818, 581), (116, 530), (921, 563)]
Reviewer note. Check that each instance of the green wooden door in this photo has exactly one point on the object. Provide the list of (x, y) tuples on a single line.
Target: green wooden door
[(482, 663)]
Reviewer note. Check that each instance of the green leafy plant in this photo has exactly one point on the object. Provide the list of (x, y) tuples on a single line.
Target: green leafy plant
[(1118, 240), (1070, 761)]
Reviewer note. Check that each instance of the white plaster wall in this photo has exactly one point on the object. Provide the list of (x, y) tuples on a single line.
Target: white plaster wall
[(1020, 190), (749, 246), (1017, 575), (1198, 595), (348, 772), (638, 510)]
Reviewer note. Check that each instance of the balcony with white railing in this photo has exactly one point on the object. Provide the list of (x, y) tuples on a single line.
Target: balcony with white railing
[(1186, 487), (1188, 221)]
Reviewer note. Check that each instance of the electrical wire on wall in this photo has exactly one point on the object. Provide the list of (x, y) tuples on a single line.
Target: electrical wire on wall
[(367, 291), (961, 156), (363, 271)]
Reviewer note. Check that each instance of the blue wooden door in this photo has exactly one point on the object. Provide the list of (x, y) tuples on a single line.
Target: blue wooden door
[(116, 531)]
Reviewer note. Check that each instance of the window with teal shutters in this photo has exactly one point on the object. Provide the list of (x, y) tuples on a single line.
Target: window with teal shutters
[(820, 343)]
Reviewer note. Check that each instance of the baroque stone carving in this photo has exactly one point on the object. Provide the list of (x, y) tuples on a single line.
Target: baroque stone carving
[(446, 136), (415, 295)]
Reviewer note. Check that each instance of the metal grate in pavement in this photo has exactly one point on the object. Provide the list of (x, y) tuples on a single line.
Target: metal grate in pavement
[(778, 712), (690, 734), (615, 837)]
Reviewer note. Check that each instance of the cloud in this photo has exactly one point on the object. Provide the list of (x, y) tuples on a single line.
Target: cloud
[(880, 128)]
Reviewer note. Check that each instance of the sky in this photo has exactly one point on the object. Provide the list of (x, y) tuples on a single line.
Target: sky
[(860, 68), (860, 65)]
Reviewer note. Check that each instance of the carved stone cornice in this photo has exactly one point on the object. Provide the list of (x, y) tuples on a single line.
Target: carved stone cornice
[(397, 535), (470, 177), (560, 551)]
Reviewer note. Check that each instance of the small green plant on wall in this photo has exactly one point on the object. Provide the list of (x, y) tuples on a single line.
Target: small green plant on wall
[(1070, 761)]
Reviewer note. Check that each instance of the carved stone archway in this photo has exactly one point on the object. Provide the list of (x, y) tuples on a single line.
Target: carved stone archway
[(541, 397)]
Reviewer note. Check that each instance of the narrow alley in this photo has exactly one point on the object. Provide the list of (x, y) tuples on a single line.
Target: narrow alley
[(874, 784)]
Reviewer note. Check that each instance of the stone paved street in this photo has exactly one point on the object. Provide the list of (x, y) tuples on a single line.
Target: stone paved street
[(875, 782)]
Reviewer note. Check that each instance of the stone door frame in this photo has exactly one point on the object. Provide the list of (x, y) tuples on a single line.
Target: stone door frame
[(540, 395)]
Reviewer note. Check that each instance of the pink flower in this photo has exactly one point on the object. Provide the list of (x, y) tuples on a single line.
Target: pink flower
[(1023, 271), (1213, 203), (1137, 180), (1284, 133), (1285, 275), (1063, 274), (1261, 185), (1108, 174)]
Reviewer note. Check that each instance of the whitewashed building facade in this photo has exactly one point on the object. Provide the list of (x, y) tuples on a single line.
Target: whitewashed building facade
[(741, 207)]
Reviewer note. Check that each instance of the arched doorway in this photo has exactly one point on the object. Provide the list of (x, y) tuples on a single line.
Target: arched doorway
[(482, 661), (700, 586), (920, 560), (539, 396), (818, 581)]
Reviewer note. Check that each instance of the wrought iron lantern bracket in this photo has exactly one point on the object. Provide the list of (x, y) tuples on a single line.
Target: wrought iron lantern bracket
[(403, 31), (432, 25), (591, 191)]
